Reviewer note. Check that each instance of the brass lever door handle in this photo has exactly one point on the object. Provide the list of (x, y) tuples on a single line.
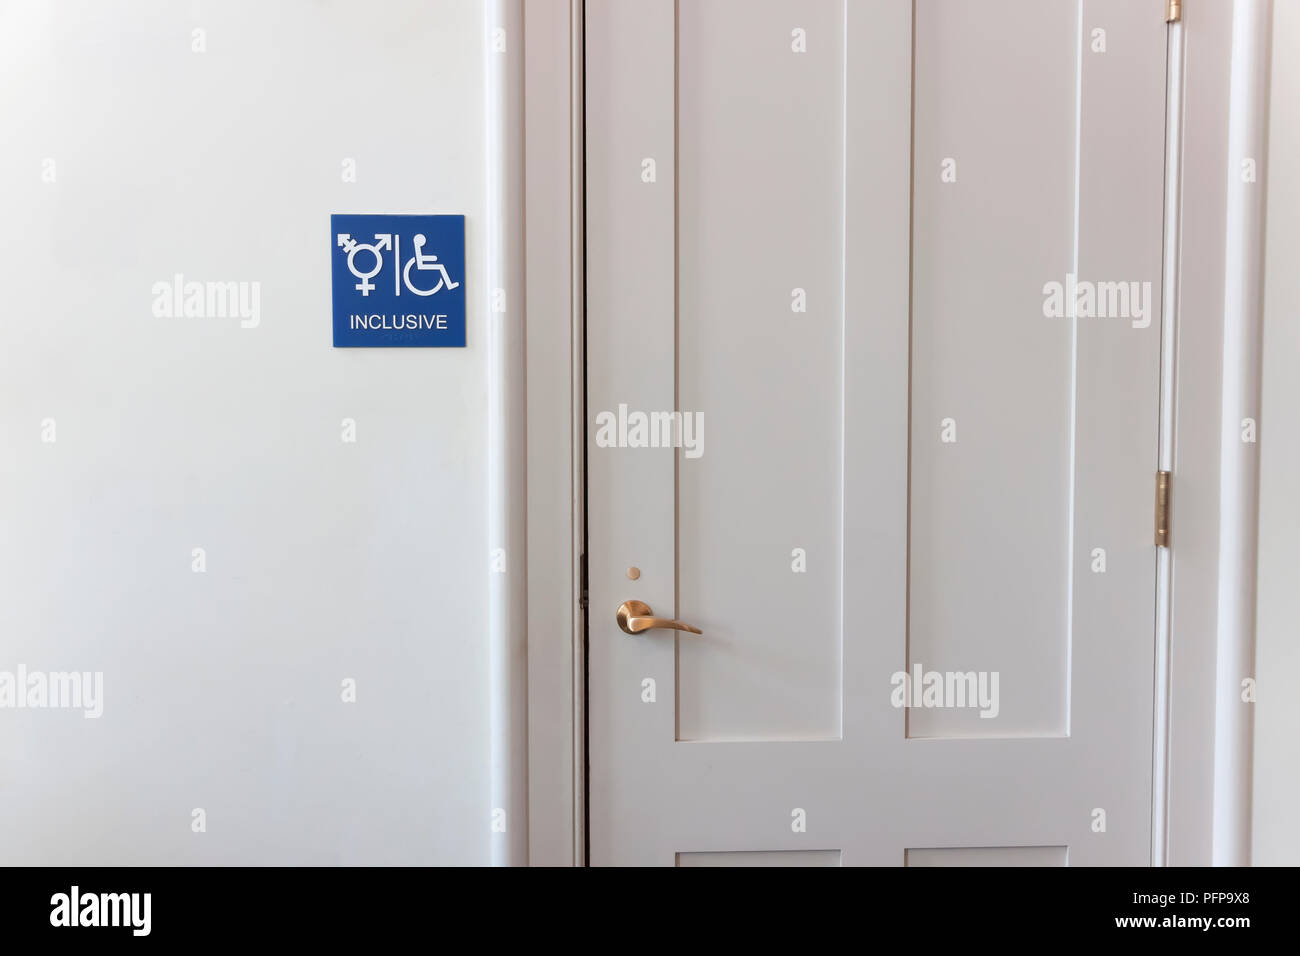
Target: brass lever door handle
[(636, 616)]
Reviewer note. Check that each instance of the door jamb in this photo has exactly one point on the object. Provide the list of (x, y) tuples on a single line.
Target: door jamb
[(1215, 483), (555, 383)]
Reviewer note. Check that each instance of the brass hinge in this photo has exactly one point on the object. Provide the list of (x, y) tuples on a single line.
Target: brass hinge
[(1174, 11), (1162, 509)]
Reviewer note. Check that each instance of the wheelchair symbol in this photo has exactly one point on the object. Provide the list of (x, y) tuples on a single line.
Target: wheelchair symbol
[(387, 242), (426, 263)]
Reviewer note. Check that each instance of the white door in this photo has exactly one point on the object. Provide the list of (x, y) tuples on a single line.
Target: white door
[(897, 266)]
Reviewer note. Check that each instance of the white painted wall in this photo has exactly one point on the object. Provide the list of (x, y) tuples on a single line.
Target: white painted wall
[(1276, 835), (325, 560)]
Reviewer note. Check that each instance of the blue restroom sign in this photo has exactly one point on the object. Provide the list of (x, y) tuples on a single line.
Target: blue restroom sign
[(399, 281)]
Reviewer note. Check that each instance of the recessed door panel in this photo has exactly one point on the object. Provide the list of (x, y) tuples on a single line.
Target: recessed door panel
[(760, 348), (995, 165)]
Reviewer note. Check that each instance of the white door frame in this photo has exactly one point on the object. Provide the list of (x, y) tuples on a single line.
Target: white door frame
[(1207, 729), (555, 489)]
